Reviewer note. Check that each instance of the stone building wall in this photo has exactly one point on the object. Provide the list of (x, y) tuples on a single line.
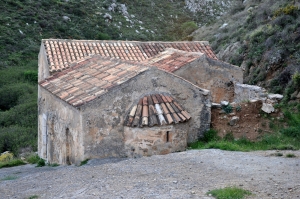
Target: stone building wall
[(63, 127), (103, 118), (43, 64), (214, 75)]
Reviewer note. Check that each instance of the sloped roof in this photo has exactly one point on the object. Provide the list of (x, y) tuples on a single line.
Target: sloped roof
[(60, 53), (156, 109), (172, 59), (89, 78)]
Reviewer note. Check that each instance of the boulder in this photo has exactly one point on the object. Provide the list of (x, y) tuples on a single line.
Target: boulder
[(275, 96), (215, 105), (267, 108), (224, 103), (234, 120)]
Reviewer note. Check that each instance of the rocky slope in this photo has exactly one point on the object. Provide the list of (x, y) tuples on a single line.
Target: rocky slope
[(262, 37)]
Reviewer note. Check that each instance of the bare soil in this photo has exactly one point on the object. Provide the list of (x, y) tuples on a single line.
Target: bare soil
[(189, 174), (252, 123)]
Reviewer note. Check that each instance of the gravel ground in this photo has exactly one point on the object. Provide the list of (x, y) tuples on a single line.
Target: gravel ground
[(189, 174)]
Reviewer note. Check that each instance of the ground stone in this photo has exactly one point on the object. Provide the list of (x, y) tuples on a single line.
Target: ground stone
[(234, 120), (267, 108), (275, 96)]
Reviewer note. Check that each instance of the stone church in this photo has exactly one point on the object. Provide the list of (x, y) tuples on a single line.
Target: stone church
[(102, 99)]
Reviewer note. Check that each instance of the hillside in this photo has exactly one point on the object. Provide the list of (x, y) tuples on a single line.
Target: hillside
[(262, 37), (24, 23)]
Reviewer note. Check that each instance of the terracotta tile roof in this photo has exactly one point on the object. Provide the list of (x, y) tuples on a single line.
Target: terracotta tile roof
[(172, 59), (89, 78), (62, 52), (156, 109)]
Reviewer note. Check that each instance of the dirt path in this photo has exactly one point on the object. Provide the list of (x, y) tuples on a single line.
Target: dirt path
[(187, 174)]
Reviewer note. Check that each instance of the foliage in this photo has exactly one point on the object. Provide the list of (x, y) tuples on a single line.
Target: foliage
[(238, 108), (296, 80), (6, 156), (227, 109), (11, 163), (53, 165), (84, 162), (32, 158), (229, 193), (290, 155), (41, 163), (31, 76), (288, 10), (33, 197), (9, 178)]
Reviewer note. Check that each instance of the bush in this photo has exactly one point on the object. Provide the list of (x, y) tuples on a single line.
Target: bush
[(32, 158), (296, 80), (288, 10), (31, 76), (210, 135), (228, 109), (11, 163), (6, 156), (41, 163)]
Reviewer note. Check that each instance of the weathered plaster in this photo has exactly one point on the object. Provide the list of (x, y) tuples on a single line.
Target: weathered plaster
[(214, 75), (60, 117), (43, 64), (103, 118)]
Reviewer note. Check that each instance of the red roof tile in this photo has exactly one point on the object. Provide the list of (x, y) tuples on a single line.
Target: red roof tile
[(172, 59), (61, 52), (155, 109), (88, 79)]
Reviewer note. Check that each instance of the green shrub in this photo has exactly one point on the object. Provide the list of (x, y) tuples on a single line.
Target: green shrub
[(227, 109), (41, 163), (210, 135), (103, 36), (4, 157), (12, 163), (238, 108), (84, 162), (32, 158), (296, 80), (291, 132), (290, 155), (31, 76), (288, 10), (229, 193)]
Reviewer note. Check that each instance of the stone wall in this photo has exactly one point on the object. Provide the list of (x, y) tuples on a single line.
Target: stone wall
[(214, 75), (156, 140), (103, 118), (245, 92), (64, 130)]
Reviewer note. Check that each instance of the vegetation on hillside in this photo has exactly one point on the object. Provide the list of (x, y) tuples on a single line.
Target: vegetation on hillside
[(263, 37)]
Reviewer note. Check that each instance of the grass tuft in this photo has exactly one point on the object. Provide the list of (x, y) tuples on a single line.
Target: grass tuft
[(229, 193), (84, 162), (290, 155), (9, 178)]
